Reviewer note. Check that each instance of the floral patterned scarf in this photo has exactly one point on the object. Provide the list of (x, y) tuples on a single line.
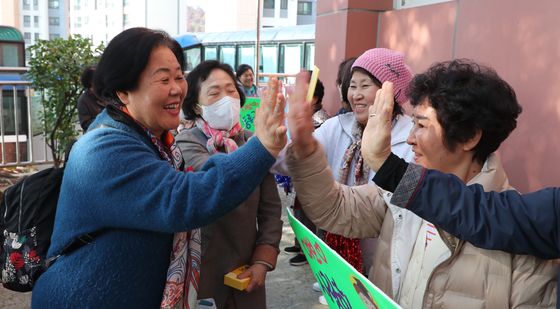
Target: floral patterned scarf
[(183, 274), (361, 170), (219, 138)]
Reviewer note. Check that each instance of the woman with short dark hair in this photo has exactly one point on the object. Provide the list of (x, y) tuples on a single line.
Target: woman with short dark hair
[(462, 113), (191, 108), (126, 182), (343, 77), (246, 78), (89, 104), (250, 234)]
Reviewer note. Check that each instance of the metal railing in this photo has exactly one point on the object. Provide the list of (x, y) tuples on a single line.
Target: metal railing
[(12, 140)]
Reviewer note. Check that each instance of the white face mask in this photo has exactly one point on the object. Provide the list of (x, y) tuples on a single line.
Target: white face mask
[(223, 114)]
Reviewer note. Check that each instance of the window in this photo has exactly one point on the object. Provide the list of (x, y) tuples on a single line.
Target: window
[(246, 54), (125, 21), (36, 21), (291, 58), (125, 3), (26, 4), (309, 55), (11, 55), (77, 5), (79, 22), (53, 36), (269, 59), (26, 21), (192, 57), (27, 37), (227, 55), (304, 8), (210, 53), (37, 38), (54, 21), (53, 4), (283, 8), (35, 4), (268, 4)]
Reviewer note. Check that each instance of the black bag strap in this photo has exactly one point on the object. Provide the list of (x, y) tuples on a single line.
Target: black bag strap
[(76, 244)]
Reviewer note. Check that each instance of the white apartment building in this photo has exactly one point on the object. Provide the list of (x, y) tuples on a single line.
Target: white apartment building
[(288, 12), (45, 19), (237, 15), (101, 20)]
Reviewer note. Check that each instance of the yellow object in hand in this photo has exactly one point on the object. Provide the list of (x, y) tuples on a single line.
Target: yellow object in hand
[(230, 279), (312, 84)]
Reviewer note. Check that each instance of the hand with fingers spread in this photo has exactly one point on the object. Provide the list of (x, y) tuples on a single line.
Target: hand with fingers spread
[(300, 118), (257, 273), (376, 140), (269, 119)]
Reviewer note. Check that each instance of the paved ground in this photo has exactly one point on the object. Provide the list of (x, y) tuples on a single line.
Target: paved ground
[(286, 287), (290, 286), (13, 300)]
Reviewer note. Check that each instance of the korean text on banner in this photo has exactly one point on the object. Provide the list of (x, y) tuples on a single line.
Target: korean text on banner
[(342, 285), (247, 116)]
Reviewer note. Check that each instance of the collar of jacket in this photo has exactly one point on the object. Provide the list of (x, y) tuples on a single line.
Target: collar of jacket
[(115, 118), (492, 177)]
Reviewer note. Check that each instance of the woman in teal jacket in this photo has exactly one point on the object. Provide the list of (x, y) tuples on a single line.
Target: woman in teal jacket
[(126, 178)]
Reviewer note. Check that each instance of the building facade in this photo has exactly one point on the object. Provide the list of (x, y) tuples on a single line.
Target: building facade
[(101, 20), (288, 12), (43, 20)]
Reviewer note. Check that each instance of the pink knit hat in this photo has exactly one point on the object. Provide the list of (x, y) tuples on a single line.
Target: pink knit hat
[(387, 65)]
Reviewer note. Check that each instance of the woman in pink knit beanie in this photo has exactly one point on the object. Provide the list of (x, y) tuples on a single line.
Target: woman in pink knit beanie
[(342, 137)]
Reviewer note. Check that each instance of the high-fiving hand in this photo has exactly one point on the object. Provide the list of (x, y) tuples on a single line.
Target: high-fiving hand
[(300, 120), (376, 140), (269, 119)]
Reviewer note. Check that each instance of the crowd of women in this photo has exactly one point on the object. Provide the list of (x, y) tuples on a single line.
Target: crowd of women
[(177, 212)]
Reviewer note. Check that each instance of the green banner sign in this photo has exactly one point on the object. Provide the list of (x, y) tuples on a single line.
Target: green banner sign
[(247, 116), (342, 285)]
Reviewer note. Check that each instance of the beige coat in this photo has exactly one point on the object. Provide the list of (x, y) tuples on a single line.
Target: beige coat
[(470, 278), (250, 232)]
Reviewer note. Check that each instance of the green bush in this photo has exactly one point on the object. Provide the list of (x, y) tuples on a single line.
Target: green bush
[(55, 69)]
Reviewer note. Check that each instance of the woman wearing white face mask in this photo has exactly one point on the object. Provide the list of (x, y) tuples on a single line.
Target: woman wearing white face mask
[(249, 235)]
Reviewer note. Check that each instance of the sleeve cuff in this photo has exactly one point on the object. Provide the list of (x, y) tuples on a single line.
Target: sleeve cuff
[(269, 266), (390, 173), (265, 254), (408, 186)]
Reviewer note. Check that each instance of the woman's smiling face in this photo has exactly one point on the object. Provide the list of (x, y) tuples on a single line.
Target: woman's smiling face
[(156, 101), (361, 95), (427, 140)]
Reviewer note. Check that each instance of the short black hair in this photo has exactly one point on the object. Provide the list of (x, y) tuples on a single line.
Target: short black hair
[(196, 77), (344, 76), (242, 68), (468, 97), (397, 110), (126, 57), (87, 76), (318, 93)]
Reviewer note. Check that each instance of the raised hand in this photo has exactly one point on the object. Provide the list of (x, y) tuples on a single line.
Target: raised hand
[(300, 121), (269, 119), (376, 140)]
